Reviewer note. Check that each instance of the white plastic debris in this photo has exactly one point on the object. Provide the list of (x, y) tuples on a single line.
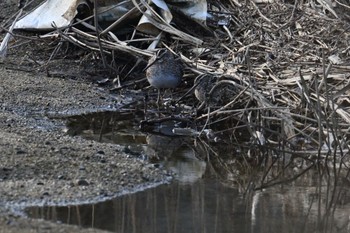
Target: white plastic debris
[(61, 12), (193, 9), (52, 12)]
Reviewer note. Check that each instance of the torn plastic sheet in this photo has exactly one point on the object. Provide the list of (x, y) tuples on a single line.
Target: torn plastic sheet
[(57, 12), (145, 24), (113, 11), (62, 12), (194, 9)]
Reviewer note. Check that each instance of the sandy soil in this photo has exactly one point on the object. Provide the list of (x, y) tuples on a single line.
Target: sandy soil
[(41, 164)]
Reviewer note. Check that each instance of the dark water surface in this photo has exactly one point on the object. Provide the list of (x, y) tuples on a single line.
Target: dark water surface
[(207, 197), (203, 206)]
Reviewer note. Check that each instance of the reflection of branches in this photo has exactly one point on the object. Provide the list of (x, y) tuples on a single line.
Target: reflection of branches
[(212, 157), (270, 184)]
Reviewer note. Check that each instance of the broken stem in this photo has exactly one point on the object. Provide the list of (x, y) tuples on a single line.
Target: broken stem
[(98, 34)]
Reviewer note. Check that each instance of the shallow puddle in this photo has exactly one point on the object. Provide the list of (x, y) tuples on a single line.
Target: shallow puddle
[(204, 206), (200, 199)]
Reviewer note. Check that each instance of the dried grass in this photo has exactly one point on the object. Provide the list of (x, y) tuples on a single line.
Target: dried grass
[(289, 63)]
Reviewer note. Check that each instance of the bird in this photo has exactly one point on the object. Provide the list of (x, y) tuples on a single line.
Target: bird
[(215, 91), (203, 85), (164, 71)]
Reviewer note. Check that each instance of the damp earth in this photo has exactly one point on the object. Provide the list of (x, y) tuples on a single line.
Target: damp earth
[(72, 161)]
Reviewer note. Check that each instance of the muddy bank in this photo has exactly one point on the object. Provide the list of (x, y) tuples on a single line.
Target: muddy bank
[(41, 164)]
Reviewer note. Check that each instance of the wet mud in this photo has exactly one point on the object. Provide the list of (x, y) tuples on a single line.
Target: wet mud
[(40, 162)]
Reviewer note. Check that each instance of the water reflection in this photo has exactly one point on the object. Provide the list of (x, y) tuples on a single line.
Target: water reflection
[(175, 153), (216, 188), (188, 169), (177, 156), (203, 206)]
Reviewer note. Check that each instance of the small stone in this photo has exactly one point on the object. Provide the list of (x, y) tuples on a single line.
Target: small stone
[(6, 169), (102, 192), (82, 182), (101, 152), (9, 222), (21, 152)]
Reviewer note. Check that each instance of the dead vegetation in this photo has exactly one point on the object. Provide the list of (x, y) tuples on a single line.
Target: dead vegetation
[(276, 74)]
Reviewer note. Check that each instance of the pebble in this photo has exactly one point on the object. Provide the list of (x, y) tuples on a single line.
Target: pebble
[(82, 182)]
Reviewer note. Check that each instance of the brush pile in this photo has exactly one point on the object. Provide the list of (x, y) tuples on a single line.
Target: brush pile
[(273, 73)]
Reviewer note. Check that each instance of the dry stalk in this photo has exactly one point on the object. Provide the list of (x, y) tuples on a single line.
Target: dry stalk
[(274, 61)]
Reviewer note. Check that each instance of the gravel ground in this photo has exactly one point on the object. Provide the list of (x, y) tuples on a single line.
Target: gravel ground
[(39, 163)]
